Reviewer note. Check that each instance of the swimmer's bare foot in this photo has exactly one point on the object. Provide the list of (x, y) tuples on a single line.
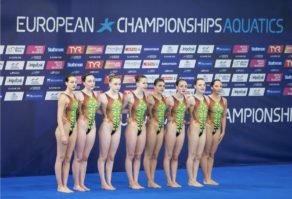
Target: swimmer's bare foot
[(153, 185), (195, 183), (62, 189), (78, 188), (211, 182), (85, 187), (68, 190), (176, 184)]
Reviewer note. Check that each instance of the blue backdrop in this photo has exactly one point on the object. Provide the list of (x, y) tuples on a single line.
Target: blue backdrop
[(248, 43)]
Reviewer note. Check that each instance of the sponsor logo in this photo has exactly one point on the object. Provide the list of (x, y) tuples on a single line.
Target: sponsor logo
[(169, 92), (225, 92), (94, 49), (1, 49), (222, 63), (288, 49), (34, 95), (240, 49), (223, 49), (55, 65), (287, 91), (257, 63), (113, 64), (239, 92), (35, 65), (169, 78), (206, 77), (240, 63), (151, 63), (15, 50), (187, 49), (129, 79), (256, 92), (132, 64), (168, 63), (14, 80), (52, 95), (205, 63), (55, 50), (1, 65), (106, 80), (13, 96), (274, 77), (258, 49), (257, 77), (35, 80), (151, 49), (241, 77), (93, 64), (1, 80), (55, 80), (274, 91), (151, 78), (74, 64), (169, 49), (223, 77), (205, 49), (288, 77), (288, 63), (114, 49), (275, 63), (132, 49), (75, 50), (275, 49), (14, 65), (187, 63), (35, 50)]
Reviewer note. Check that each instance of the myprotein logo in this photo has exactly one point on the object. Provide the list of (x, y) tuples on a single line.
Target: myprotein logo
[(222, 63), (52, 95), (1, 49), (34, 80), (187, 63), (274, 77), (129, 79), (113, 64), (13, 96), (94, 49), (223, 77), (205, 49), (187, 49), (240, 49), (94, 64), (257, 77), (257, 63), (74, 65), (258, 49), (205, 63), (132, 49), (223, 49), (34, 95), (35, 50), (288, 63), (35, 65), (240, 63), (55, 65), (132, 64), (151, 63), (14, 80), (256, 92), (15, 50), (275, 49), (75, 50), (287, 91), (239, 92), (206, 77), (114, 49), (169, 49), (288, 49), (241, 77), (169, 78), (55, 80), (14, 65), (274, 91), (275, 63), (55, 50)]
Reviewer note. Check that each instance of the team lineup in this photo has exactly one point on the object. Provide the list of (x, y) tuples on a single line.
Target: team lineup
[(145, 131)]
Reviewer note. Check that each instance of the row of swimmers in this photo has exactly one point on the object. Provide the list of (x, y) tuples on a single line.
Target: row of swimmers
[(76, 130)]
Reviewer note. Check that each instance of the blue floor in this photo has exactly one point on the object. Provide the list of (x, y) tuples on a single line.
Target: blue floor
[(244, 182)]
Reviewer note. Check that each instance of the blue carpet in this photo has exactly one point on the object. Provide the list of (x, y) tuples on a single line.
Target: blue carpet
[(244, 182)]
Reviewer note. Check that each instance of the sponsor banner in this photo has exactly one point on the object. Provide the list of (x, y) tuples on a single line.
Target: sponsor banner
[(169, 92), (240, 63), (114, 49), (55, 50), (223, 77), (132, 49), (288, 63), (94, 64), (205, 63), (151, 78), (35, 50), (94, 49), (256, 91), (274, 91), (257, 63), (14, 65), (55, 80), (2, 49), (187, 49), (151, 49), (113, 64), (75, 50), (52, 95), (205, 49), (278, 63), (206, 77), (275, 49), (151, 63), (34, 80), (240, 49), (288, 77), (257, 77), (223, 49), (74, 65), (130, 64), (288, 49), (239, 77), (35, 65), (187, 63), (225, 92), (287, 91), (129, 79), (55, 65), (14, 80), (1, 80), (169, 78), (169, 49), (106, 80), (13, 96), (15, 49), (239, 92), (274, 77), (222, 63), (34, 95), (1, 65), (258, 49)]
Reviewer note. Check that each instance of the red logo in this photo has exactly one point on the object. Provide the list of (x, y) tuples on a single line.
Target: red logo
[(94, 64), (288, 63), (275, 49), (75, 50)]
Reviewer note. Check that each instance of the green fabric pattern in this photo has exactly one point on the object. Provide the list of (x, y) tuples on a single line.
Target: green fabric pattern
[(91, 110), (116, 113), (202, 113), (217, 113), (180, 115), (73, 114), (161, 108), (141, 109)]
